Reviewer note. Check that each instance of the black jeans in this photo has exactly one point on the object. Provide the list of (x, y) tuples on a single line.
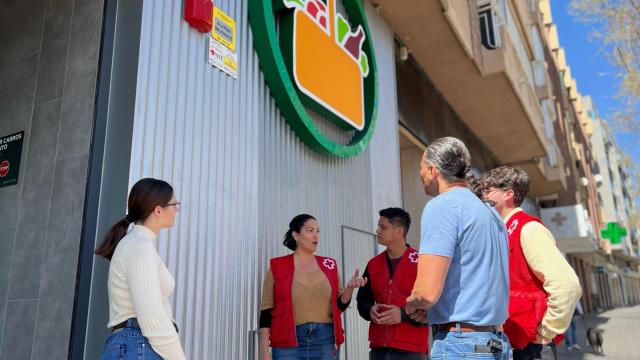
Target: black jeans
[(536, 352), (395, 354)]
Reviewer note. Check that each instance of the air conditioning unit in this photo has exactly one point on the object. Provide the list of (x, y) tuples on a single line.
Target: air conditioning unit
[(489, 24)]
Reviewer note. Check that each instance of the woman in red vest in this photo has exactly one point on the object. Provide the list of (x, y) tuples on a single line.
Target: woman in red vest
[(302, 299)]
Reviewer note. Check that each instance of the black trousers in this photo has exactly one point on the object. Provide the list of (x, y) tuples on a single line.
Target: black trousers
[(536, 352), (395, 354)]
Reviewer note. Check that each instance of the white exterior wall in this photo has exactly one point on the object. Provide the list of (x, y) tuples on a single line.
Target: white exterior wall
[(242, 175), (611, 186), (384, 147), (414, 196), (605, 188)]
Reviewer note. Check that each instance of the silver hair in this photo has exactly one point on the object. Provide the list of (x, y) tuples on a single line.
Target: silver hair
[(451, 157)]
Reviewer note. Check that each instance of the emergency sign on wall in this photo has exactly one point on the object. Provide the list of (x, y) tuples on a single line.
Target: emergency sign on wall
[(222, 43)]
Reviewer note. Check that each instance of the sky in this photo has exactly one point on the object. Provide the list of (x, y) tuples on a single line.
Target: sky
[(594, 74)]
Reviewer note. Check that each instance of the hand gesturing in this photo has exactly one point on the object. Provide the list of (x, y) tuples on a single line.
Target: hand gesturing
[(356, 281)]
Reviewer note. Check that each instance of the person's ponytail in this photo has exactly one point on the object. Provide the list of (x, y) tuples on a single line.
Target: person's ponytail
[(289, 241), (473, 182), (113, 237)]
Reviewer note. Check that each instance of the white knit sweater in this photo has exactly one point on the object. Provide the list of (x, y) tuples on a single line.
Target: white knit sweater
[(139, 286)]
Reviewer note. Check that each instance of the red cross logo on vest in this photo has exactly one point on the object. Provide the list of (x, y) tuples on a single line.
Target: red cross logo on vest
[(329, 264), (512, 227), (413, 257)]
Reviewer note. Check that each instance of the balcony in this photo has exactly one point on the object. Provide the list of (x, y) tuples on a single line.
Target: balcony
[(489, 89), (542, 81), (571, 228), (545, 176)]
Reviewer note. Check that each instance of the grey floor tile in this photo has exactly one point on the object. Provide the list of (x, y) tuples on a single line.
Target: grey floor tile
[(3, 311), (10, 197), (20, 320), (53, 326), (84, 47), (35, 202), (65, 225), (55, 48), (51, 77), (80, 81), (6, 253), (26, 264), (21, 25), (57, 24), (77, 125), (17, 120), (59, 273), (18, 84)]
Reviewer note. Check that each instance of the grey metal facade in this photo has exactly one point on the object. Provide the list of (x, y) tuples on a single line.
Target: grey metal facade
[(242, 174)]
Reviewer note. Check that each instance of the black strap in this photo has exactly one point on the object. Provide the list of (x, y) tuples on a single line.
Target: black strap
[(133, 323)]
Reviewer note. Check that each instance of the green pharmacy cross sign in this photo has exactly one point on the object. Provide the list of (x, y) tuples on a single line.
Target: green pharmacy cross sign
[(613, 232), (315, 58)]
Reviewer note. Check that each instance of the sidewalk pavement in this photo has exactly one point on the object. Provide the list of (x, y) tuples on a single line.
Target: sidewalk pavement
[(621, 333)]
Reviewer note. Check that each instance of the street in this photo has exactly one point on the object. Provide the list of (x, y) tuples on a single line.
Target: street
[(621, 333)]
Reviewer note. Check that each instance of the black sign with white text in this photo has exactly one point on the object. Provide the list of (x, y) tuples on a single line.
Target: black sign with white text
[(10, 152)]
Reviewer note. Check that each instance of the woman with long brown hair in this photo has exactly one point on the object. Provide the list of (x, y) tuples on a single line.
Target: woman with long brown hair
[(139, 283)]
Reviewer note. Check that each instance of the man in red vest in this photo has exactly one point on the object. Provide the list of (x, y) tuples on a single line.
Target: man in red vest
[(543, 288), (392, 333)]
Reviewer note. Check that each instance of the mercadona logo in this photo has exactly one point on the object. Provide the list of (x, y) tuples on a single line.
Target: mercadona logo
[(318, 60)]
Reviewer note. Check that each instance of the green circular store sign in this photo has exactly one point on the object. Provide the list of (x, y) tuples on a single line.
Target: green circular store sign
[(321, 61)]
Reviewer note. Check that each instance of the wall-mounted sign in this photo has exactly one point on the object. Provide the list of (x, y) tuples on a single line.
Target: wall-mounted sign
[(223, 58), (10, 152), (318, 60), (224, 29), (222, 43), (614, 233)]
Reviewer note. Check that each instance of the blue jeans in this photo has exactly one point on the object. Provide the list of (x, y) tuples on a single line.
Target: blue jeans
[(128, 344), (570, 337), (473, 345), (315, 342)]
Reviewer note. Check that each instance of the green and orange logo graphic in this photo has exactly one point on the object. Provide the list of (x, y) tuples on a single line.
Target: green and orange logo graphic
[(318, 60)]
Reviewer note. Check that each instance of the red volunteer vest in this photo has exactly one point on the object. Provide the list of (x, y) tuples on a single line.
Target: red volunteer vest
[(394, 291), (527, 297), (283, 325)]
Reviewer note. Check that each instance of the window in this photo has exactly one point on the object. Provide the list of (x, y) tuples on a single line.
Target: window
[(489, 24), (539, 64)]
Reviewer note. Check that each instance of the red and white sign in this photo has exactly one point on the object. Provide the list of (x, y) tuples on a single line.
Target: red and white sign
[(4, 168)]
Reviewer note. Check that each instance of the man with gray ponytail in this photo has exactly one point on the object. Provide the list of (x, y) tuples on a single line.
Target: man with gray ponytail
[(463, 267)]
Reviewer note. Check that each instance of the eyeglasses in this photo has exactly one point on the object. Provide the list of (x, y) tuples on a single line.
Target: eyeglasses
[(490, 191), (175, 204)]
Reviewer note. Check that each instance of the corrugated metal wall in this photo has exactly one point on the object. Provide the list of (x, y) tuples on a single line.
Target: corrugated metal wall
[(384, 147), (241, 174)]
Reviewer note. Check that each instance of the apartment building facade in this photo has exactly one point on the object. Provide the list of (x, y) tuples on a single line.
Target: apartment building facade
[(576, 215)]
